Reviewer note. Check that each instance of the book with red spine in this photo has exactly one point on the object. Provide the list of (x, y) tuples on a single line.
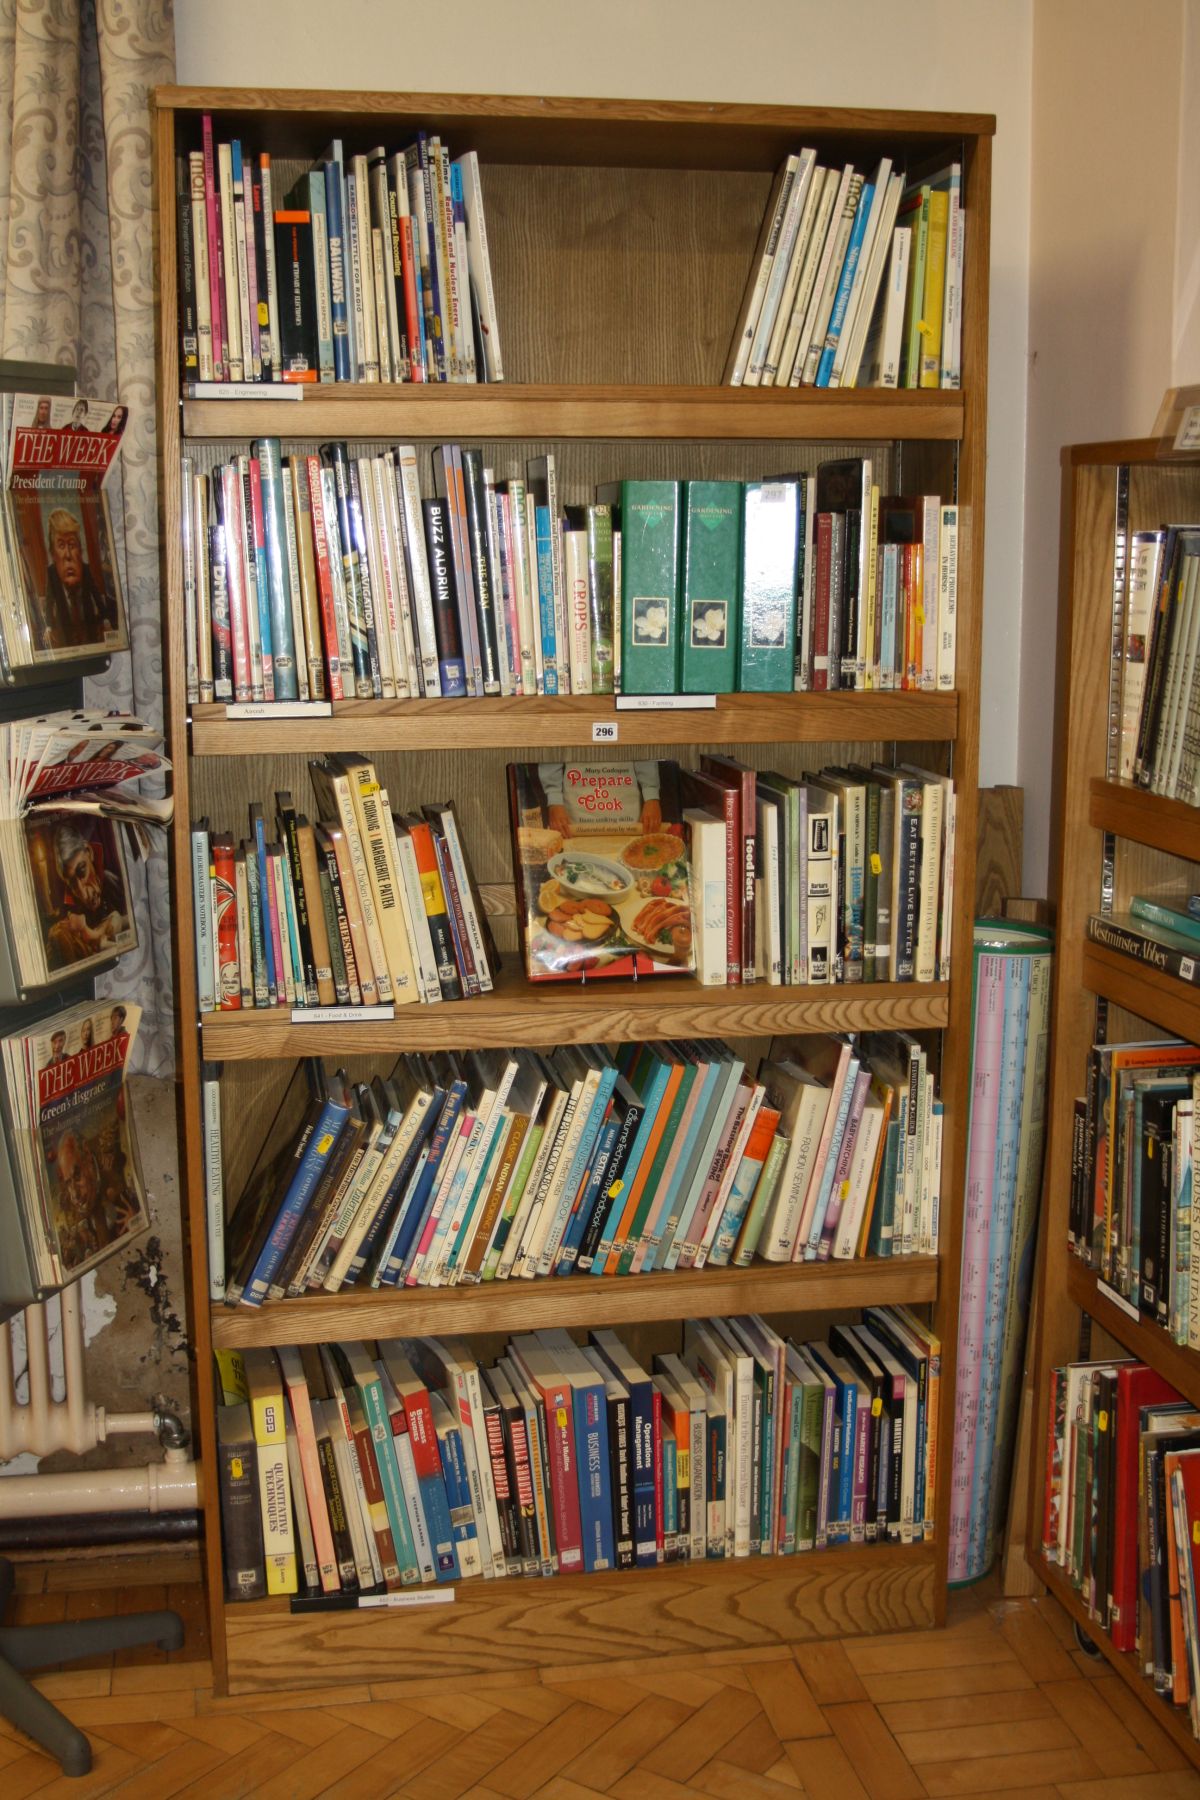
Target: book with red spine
[(310, 1467), (742, 780), (229, 984), (229, 489), (1137, 1386), (324, 573), (824, 576), (256, 544), (553, 1388), (216, 279)]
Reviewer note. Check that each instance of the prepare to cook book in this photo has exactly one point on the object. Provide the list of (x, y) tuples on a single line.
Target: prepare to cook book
[(601, 867)]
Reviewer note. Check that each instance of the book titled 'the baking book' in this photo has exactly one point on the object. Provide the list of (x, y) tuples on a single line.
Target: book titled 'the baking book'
[(601, 866)]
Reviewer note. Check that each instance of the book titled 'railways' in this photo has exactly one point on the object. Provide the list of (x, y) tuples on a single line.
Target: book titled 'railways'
[(601, 868)]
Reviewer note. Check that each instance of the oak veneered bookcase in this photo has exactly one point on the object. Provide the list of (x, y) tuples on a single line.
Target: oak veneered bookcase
[(620, 235), (1109, 840)]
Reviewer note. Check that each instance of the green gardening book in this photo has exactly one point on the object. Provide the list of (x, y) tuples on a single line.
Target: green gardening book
[(649, 521), (709, 614), (770, 546)]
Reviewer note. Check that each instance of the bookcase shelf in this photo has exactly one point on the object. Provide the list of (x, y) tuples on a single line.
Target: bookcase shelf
[(373, 410), (578, 192), (1146, 992), (527, 1623), (1151, 1343), (1117, 844), (1130, 812), (1172, 1720), (580, 1300), (518, 725), (518, 1012)]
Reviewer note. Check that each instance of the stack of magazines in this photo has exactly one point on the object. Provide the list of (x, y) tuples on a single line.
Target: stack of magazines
[(60, 592), (76, 1180), (69, 805)]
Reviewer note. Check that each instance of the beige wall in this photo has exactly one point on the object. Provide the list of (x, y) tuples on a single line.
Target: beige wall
[(1102, 257), (965, 55)]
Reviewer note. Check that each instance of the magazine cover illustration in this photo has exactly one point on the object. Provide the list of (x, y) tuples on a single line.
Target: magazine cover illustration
[(59, 456), (85, 1151), (80, 888), (601, 868)]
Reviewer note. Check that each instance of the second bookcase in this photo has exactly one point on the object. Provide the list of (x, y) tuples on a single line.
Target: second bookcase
[(621, 233)]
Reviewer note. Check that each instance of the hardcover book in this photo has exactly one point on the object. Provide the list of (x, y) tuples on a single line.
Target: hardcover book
[(601, 866)]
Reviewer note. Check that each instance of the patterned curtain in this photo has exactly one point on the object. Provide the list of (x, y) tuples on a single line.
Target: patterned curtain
[(77, 285)]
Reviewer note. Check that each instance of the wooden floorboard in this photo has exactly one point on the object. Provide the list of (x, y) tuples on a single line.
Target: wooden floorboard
[(1002, 1703)]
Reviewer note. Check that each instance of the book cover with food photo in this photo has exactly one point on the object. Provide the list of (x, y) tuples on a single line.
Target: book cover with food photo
[(601, 868)]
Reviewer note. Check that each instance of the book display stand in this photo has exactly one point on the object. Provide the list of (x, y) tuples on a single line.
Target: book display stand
[(620, 235)]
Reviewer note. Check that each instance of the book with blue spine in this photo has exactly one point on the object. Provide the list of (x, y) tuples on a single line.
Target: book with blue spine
[(724, 1091), (602, 1157), (334, 1113), (590, 1423), (578, 1167), (825, 1190), (648, 1075), (612, 1185), (279, 593), (458, 1488), (845, 283), (545, 581), (408, 1222), (380, 1225), (344, 347), (357, 1368), (664, 1227), (259, 829), (427, 1460), (846, 1407), (641, 1406)]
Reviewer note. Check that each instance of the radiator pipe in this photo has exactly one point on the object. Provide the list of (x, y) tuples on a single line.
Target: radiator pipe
[(169, 1486), (97, 1530)]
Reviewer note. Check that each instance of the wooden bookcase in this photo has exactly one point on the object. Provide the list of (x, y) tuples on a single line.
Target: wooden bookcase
[(621, 233), (1104, 833)]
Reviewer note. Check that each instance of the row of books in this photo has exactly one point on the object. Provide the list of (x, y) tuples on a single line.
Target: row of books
[(1159, 931), (67, 802), (1160, 686), (71, 1148), (650, 868), (855, 282), (1122, 1514), (349, 1470), (1134, 1151), (328, 576), (370, 268), (1012, 974), (473, 1166), (365, 908), (60, 585)]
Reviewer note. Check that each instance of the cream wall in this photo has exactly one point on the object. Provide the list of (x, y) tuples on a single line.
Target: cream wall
[(1107, 207), (967, 56)]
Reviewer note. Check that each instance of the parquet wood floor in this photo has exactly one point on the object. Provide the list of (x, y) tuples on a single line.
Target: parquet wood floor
[(1002, 1702)]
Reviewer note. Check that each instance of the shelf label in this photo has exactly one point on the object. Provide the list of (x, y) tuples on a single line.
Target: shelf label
[(337, 1015), (605, 731), (1118, 1300), (280, 709), (1188, 435), (666, 702)]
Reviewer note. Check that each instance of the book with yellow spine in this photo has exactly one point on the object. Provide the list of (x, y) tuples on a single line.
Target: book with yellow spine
[(935, 289), (265, 1384)]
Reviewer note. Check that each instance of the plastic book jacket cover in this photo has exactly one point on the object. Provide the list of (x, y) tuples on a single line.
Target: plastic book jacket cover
[(85, 1153), (59, 455), (601, 868)]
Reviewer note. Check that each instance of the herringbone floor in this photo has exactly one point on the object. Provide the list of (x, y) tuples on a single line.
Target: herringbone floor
[(1000, 1703)]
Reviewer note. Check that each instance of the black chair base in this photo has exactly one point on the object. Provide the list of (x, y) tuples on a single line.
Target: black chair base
[(35, 1646)]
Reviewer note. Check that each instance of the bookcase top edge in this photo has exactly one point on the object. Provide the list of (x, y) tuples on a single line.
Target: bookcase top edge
[(564, 110)]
